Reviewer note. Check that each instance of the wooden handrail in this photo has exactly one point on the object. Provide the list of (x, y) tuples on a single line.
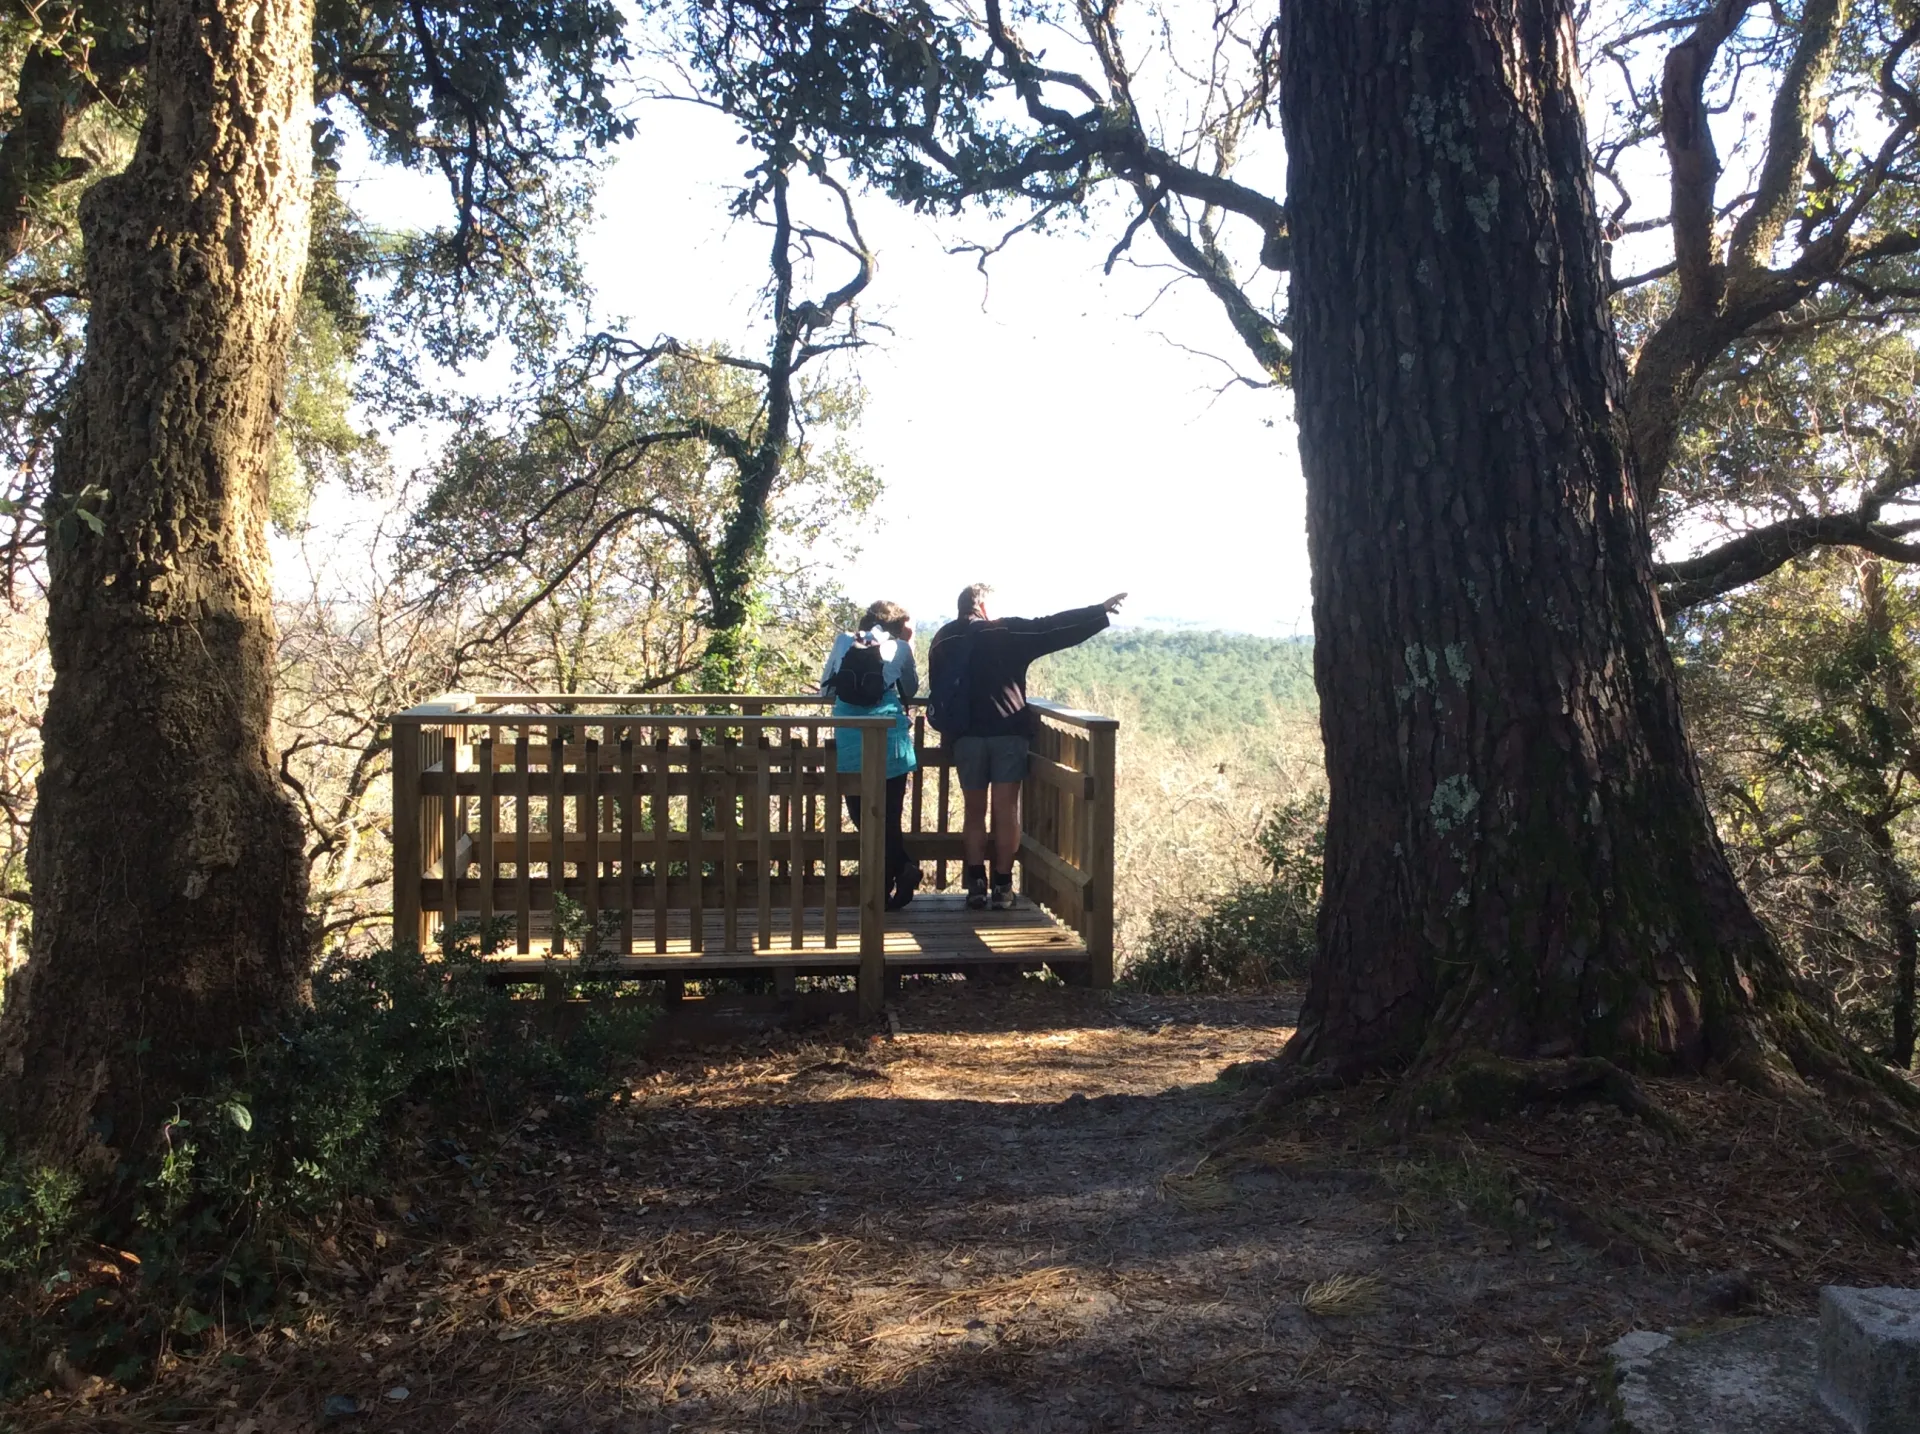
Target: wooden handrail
[(1073, 717), (639, 699), (468, 717)]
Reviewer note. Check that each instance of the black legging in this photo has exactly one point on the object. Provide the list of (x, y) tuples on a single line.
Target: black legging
[(896, 843)]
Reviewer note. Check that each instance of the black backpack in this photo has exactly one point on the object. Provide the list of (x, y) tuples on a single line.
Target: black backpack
[(950, 699), (859, 680)]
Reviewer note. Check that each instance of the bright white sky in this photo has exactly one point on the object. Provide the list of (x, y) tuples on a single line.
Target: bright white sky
[(1034, 435), (1036, 432)]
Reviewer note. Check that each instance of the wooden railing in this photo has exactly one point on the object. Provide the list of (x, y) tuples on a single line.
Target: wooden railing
[(1067, 846), (716, 826)]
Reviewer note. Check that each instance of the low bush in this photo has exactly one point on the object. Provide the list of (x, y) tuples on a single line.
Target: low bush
[(399, 1059), (1257, 932)]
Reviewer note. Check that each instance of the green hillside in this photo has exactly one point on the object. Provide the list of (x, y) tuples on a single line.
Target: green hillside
[(1182, 683)]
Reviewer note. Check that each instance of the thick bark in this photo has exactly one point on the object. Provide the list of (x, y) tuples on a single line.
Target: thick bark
[(166, 862), (1896, 891), (1519, 856), (1906, 968), (1896, 909)]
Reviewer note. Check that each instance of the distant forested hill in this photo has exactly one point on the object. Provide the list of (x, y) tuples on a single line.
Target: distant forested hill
[(1182, 683)]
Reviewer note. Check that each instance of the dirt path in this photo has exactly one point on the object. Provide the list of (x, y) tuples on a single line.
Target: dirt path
[(1002, 1216)]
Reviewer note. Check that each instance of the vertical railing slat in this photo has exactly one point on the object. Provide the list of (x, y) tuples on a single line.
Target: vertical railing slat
[(556, 833), (797, 756), (730, 842), (488, 820), (523, 839), (945, 820), (590, 838), (919, 772), (873, 837), (450, 818), (409, 921), (629, 818), (763, 829), (830, 841), (662, 832), (696, 843)]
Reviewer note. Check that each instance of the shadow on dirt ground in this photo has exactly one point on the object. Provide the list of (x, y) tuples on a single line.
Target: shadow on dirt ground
[(1016, 1209)]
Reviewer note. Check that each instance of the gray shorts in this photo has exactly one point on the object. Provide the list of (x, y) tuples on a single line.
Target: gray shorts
[(982, 760)]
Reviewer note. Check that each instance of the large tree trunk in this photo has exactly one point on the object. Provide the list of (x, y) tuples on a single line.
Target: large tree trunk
[(1896, 909), (1519, 856), (166, 865)]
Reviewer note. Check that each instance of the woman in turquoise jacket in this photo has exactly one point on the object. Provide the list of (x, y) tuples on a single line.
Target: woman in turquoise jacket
[(884, 640)]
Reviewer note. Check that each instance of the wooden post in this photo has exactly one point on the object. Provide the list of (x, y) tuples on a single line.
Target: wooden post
[(409, 921), (410, 820), (873, 864), (1098, 894), (489, 811)]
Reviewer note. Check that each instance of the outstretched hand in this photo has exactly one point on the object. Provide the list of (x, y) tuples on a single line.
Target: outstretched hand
[(1112, 604)]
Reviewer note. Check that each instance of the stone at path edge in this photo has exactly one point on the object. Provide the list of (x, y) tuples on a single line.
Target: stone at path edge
[(1869, 1347), (1755, 1377)]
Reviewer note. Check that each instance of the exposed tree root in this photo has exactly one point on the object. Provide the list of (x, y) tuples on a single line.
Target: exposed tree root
[(1802, 1047), (1480, 1086), (1793, 1055), (1476, 1086), (1802, 1055)]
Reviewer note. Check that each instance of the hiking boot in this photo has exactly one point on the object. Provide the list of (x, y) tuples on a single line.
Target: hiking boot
[(977, 893), (1003, 897), (903, 889)]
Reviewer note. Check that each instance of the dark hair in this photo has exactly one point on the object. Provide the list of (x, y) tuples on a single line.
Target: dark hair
[(970, 596), (889, 615)]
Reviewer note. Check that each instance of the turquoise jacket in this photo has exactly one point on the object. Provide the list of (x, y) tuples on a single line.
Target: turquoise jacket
[(903, 680)]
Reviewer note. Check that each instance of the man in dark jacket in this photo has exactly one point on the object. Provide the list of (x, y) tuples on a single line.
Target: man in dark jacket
[(991, 757)]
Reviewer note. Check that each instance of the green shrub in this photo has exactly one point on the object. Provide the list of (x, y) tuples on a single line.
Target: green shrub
[(1257, 933), (398, 1055), (38, 1212)]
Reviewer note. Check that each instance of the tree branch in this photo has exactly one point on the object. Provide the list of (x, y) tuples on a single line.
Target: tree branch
[(1789, 136), (1693, 162), (1754, 554)]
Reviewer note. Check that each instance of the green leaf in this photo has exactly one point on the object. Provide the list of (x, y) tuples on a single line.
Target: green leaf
[(239, 1115), (193, 1322)]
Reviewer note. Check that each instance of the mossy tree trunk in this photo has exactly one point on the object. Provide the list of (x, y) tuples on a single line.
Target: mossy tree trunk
[(165, 861), (1519, 858)]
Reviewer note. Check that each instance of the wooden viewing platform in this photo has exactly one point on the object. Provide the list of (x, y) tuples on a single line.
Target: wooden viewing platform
[(717, 842)]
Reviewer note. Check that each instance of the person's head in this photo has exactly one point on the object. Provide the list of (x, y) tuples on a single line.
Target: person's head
[(889, 615), (973, 600)]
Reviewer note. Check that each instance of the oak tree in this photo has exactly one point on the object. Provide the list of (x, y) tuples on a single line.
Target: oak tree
[(165, 856)]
